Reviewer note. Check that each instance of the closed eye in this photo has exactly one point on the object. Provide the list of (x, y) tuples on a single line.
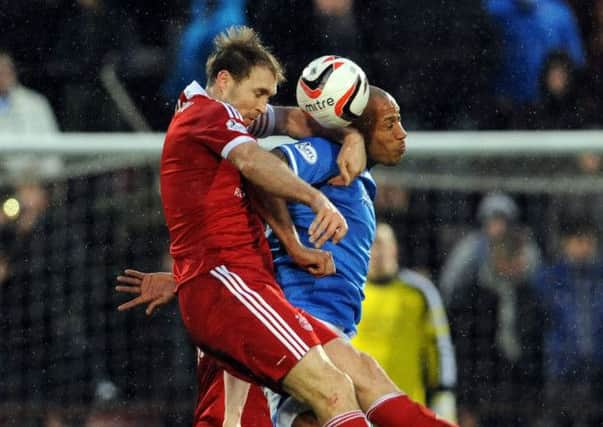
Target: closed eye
[(263, 92)]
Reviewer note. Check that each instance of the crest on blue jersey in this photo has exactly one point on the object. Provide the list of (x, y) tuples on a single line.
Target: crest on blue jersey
[(307, 151)]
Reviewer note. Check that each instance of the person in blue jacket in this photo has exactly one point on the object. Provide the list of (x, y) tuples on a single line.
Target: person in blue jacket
[(529, 31), (208, 19), (571, 293)]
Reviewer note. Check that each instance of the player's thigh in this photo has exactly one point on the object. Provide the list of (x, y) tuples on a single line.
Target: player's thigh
[(315, 378), (369, 378), (240, 316)]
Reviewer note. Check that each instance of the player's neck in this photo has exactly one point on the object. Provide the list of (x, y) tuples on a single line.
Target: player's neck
[(214, 93), (383, 279)]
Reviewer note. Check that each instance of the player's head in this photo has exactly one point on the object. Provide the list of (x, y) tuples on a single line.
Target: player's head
[(382, 128), (384, 254), (243, 72)]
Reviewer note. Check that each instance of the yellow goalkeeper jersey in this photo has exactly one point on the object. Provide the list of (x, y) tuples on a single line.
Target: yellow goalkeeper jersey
[(404, 327)]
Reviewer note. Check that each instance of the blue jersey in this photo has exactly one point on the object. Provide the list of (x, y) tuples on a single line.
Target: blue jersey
[(336, 299)]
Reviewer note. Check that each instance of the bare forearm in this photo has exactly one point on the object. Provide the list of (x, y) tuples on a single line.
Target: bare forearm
[(275, 212), (270, 174), (292, 121)]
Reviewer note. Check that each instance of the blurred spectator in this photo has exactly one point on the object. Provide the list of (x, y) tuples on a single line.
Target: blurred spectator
[(97, 34), (207, 19), (336, 23), (570, 291), (529, 31), (6, 241), (589, 204), (497, 328), (4, 267), (562, 105), (22, 110), (24, 376), (496, 212), (47, 340), (393, 205), (61, 342), (404, 327), (392, 199)]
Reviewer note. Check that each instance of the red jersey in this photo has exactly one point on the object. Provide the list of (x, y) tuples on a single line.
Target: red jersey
[(206, 209)]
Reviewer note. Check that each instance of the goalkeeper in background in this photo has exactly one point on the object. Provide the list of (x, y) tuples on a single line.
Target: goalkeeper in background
[(404, 327)]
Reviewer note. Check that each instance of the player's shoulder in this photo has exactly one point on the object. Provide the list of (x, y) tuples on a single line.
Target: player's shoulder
[(423, 285), (204, 107), (209, 111)]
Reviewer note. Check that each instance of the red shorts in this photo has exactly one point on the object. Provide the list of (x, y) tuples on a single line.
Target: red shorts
[(210, 408), (239, 316)]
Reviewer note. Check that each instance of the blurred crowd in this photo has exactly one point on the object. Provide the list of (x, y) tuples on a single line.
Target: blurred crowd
[(475, 64), (67, 358), (521, 280)]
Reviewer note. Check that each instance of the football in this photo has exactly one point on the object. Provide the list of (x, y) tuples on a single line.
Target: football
[(333, 90)]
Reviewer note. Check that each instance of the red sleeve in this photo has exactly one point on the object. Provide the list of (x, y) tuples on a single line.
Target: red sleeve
[(264, 125), (223, 129)]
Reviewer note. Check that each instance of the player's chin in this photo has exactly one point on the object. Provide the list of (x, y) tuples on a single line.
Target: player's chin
[(394, 160), (400, 154)]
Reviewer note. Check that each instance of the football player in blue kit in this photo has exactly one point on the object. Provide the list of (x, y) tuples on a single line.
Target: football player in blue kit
[(335, 298)]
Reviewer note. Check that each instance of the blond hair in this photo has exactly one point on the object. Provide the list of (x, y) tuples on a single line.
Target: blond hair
[(237, 50)]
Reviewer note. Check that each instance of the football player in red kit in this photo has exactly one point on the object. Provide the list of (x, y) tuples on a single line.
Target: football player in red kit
[(229, 301)]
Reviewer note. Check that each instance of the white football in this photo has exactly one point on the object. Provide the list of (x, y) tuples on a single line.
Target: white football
[(333, 90)]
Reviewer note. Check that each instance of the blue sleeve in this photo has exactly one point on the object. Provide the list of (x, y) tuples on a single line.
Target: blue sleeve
[(312, 159)]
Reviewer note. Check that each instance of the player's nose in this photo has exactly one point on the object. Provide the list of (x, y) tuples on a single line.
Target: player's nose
[(401, 133)]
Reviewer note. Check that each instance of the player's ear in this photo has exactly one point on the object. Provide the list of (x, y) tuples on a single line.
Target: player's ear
[(223, 80)]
